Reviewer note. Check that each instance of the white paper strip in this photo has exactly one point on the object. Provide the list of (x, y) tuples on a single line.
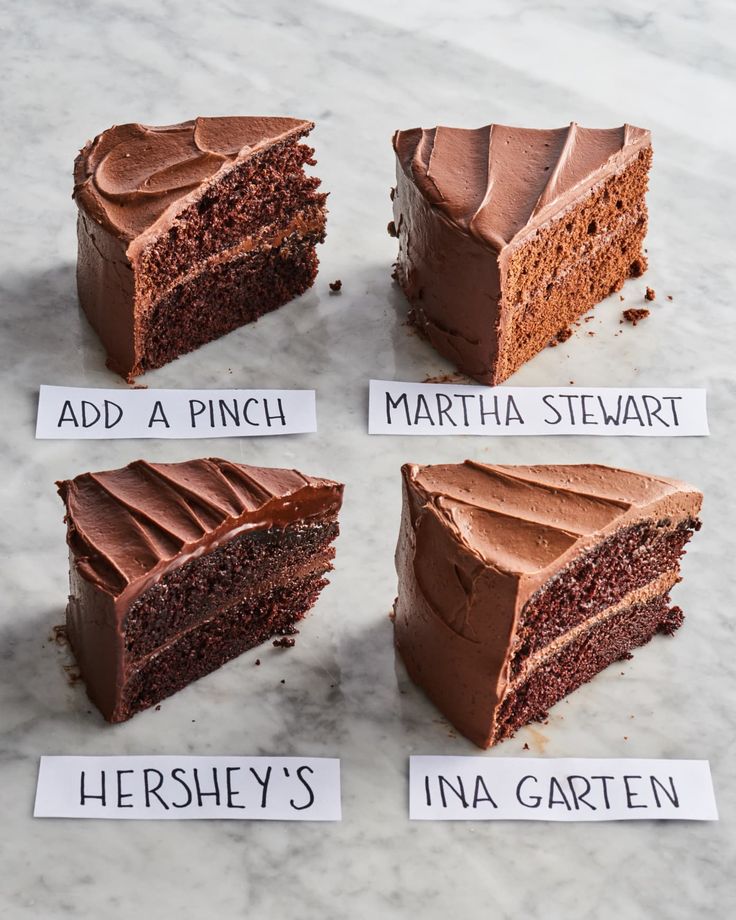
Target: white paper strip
[(446, 409), (563, 789), (80, 412), (176, 788)]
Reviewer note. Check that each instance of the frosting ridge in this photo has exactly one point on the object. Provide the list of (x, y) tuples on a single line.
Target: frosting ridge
[(130, 175), (125, 524), (523, 519), (498, 183)]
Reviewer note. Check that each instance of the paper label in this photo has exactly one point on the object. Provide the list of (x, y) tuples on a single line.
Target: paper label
[(563, 789), (166, 787), (437, 409), (80, 412)]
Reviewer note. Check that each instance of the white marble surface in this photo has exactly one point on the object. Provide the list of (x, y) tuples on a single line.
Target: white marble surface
[(361, 70)]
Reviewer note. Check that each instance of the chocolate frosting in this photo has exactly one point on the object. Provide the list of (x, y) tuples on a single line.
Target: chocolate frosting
[(132, 177), (477, 541), (499, 184), (524, 519), (125, 527)]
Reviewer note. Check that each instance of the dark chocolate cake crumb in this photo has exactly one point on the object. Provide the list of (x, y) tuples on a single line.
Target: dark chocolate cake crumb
[(673, 621), (336, 286), (392, 229), (633, 315), (562, 336), (258, 661), (58, 634), (526, 746), (650, 294), (284, 642), (158, 708), (283, 681), (669, 297), (73, 674), (621, 297)]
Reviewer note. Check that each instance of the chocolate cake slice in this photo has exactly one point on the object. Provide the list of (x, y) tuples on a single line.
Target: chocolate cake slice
[(506, 235), (188, 231), (178, 567), (517, 584)]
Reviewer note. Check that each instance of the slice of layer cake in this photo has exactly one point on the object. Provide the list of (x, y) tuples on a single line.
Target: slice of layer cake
[(188, 231), (517, 584), (506, 235), (178, 567)]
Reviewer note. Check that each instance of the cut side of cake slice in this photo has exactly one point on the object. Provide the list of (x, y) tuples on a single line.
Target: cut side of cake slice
[(175, 568), (518, 584), (188, 231), (507, 235)]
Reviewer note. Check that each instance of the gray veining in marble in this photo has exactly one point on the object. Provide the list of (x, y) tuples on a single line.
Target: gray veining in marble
[(70, 69)]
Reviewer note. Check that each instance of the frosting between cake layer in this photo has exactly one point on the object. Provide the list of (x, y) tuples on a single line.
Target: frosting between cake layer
[(315, 223), (499, 183), (296, 574), (655, 588)]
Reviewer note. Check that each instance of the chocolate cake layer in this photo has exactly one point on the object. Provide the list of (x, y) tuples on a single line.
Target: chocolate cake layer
[(156, 549), (156, 204), (225, 295), (248, 565), (499, 566), (203, 649), (633, 557), (508, 234), (580, 660)]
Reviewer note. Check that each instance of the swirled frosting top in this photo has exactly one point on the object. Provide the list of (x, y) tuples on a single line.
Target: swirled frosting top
[(526, 520), (125, 525), (498, 183), (130, 175)]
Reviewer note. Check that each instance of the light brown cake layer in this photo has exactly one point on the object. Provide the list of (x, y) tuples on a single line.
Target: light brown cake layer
[(507, 235), (572, 264)]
